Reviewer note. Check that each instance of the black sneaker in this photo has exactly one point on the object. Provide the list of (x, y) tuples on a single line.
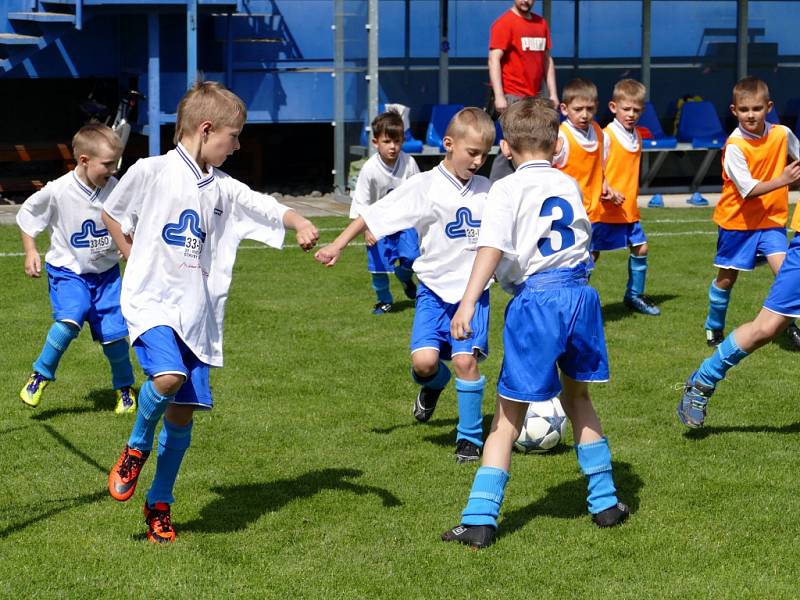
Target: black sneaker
[(425, 403), (381, 308), (714, 337), (409, 289), (794, 334), (610, 517), (466, 451), (474, 536)]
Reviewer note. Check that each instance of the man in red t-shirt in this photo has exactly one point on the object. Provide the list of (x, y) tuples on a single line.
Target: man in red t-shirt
[(519, 59)]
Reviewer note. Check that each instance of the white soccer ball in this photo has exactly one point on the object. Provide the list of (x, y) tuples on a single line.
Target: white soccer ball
[(544, 427)]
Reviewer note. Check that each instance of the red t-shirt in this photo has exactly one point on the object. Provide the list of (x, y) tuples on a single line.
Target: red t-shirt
[(523, 42)]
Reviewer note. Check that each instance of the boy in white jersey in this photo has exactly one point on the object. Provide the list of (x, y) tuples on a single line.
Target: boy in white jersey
[(179, 221), (535, 239), (82, 263), (445, 206), (382, 173)]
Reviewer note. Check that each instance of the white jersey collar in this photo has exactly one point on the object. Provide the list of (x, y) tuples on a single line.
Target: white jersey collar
[(535, 164), (462, 189), (197, 172), (752, 136), (90, 193), (624, 132), (588, 135), (390, 170)]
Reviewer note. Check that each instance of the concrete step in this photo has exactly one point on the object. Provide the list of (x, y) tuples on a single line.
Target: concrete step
[(41, 17), (16, 39)]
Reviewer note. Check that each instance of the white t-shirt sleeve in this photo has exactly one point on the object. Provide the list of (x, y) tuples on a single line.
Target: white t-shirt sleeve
[(606, 147), (560, 159), (792, 144), (34, 215), (257, 217), (413, 168), (498, 222), (736, 168), (124, 203), (362, 195), (400, 209)]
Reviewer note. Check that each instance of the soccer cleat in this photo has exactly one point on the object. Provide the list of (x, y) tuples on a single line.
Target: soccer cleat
[(123, 477), (409, 289), (425, 403), (159, 523), (714, 337), (466, 451), (693, 404), (31, 394), (381, 308), (126, 401), (610, 517), (794, 335), (642, 305), (474, 536)]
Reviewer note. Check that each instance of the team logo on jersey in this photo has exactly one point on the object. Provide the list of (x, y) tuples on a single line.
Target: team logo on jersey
[(533, 44), (174, 233), (464, 226), (97, 240)]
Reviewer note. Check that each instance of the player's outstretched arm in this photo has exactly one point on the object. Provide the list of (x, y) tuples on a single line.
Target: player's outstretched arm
[(123, 242), (328, 255), (306, 232), (483, 268), (790, 175), (33, 262)]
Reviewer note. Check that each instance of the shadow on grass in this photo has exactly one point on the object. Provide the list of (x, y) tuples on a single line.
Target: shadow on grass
[(704, 432), (241, 505), (785, 343), (403, 305), (414, 423), (448, 438), (568, 500), (102, 400), (616, 311), (13, 429), (68, 504), (74, 449)]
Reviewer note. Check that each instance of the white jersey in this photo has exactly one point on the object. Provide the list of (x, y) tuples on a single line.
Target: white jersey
[(186, 228), (628, 139), (447, 216), (536, 217), (376, 179), (72, 214), (735, 164)]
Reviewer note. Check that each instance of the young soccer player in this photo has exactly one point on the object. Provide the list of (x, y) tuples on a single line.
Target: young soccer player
[(754, 205), (615, 223), (535, 239), (445, 206), (82, 263), (382, 173), (179, 221)]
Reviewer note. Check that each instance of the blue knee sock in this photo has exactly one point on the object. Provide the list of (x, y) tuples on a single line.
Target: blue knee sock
[(380, 283), (58, 338), (717, 307), (151, 405), (486, 497), (403, 271), (637, 274), (437, 381), (118, 355), (470, 416), (594, 460), (173, 441), (714, 368)]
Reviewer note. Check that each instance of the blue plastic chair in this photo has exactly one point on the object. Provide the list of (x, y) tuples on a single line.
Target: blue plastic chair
[(440, 119), (772, 117), (700, 125), (660, 139), (797, 126), (498, 133)]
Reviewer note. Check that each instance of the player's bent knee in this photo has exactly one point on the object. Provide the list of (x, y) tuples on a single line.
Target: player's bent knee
[(425, 364), (168, 384), (465, 366)]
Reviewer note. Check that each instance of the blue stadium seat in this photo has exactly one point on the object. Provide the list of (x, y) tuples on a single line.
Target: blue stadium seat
[(650, 120), (772, 117), (700, 125), (440, 119), (797, 127), (498, 133)]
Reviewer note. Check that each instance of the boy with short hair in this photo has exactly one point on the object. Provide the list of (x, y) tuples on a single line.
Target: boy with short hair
[(386, 170), (535, 240), (445, 206), (179, 221), (82, 263), (616, 222), (754, 205)]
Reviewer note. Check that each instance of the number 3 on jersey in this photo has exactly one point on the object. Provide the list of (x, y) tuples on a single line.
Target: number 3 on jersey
[(560, 225)]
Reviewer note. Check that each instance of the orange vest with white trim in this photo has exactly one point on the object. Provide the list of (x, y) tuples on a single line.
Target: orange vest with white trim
[(622, 175), (586, 168), (766, 159)]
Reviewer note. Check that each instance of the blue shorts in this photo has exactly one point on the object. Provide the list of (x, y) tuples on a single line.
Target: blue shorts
[(784, 295), (160, 350), (402, 246), (431, 328), (92, 297), (553, 320), (615, 236), (738, 249)]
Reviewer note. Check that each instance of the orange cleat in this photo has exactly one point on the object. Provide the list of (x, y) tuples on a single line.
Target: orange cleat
[(159, 523), (123, 477)]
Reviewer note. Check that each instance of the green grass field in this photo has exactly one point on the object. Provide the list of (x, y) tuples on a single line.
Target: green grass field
[(311, 479)]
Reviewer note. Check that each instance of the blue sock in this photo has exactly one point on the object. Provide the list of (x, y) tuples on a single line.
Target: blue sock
[(486, 497), (151, 405), (594, 460), (470, 415), (637, 274), (58, 338), (403, 271), (380, 283), (173, 441), (437, 381), (118, 355), (714, 368), (717, 307)]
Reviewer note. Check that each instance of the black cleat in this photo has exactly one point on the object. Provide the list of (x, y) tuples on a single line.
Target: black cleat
[(467, 452), (409, 289), (381, 308), (425, 403), (610, 517), (794, 335), (474, 536), (714, 337)]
